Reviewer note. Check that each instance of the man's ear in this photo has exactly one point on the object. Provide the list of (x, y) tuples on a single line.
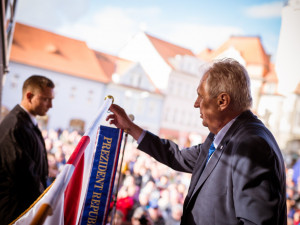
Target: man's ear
[(223, 101), (29, 96)]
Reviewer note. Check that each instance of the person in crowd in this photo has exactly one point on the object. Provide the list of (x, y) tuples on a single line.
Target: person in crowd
[(163, 182), (141, 217), (60, 159), (238, 172), (176, 213), (164, 203), (118, 218), (146, 175), (155, 213), (132, 189), (52, 168), (125, 202), (23, 157), (144, 199)]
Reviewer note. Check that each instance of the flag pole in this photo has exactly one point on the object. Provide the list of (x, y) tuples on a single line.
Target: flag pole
[(42, 214), (118, 183), (119, 177)]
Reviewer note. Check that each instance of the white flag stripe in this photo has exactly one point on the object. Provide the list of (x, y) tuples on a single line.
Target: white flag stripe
[(92, 132), (59, 185)]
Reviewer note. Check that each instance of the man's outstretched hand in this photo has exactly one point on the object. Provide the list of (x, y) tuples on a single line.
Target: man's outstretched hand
[(121, 120)]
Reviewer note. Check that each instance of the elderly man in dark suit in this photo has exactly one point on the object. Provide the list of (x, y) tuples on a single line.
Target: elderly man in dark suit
[(238, 173), (23, 157)]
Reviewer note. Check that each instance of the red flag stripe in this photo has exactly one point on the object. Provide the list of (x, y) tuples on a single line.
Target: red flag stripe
[(72, 194), (81, 146)]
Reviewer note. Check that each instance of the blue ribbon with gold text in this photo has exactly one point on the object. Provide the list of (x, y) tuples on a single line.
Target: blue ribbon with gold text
[(102, 177)]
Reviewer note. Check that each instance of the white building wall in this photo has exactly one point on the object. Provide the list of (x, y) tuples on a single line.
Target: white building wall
[(75, 98), (140, 49), (136, 77), (271, 111), (179, 112), (288, 70), (287, 58)]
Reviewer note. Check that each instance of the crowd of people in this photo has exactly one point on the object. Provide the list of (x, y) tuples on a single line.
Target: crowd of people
[(148, 187)]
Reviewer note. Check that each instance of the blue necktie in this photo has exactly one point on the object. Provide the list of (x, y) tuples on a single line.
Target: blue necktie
[(210, 151)]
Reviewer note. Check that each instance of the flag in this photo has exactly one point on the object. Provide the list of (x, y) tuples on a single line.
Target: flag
[(83, 187)]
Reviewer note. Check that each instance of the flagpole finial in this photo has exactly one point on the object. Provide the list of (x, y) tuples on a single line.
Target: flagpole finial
[(111, 97)]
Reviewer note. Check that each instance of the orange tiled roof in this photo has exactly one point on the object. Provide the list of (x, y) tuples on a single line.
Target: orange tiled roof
[(112, 64), (271, 76), (205, 54), (47, 50), (250, 49), (168, 50)]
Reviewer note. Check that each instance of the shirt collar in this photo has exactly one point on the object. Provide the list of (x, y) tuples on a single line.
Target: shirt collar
[(32, 117), (219, 136)]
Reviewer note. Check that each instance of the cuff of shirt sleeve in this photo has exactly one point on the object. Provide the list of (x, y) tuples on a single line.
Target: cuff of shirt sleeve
[(141, 137)]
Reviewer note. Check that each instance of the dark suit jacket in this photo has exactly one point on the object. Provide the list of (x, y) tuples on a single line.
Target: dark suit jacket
[(23, 164), (243, 183)]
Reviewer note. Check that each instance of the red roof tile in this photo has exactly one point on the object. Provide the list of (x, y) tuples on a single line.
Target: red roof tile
[(112, 64), (168, 50), (205, 54), (47, 50), (271, 76), (250, 49)]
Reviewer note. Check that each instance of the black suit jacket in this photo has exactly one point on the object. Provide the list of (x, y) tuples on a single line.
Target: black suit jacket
[(243, 183), (23, 164)]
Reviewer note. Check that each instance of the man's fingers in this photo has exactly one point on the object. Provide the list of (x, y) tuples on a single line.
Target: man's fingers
[(113, 108), (110, 116), (112, 122), (117, 109)]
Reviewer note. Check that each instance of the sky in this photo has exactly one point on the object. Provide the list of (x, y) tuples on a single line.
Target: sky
[(107, 25)]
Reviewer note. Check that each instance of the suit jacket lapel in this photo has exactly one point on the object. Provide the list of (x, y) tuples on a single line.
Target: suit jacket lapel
[(210, 166), (200, 165)]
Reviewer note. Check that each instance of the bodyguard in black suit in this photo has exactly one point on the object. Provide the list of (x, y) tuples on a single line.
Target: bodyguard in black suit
[(238, 173), (23, 157)]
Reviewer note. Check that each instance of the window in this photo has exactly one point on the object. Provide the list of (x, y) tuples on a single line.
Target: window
[(152, 108), (90, 96), (14, 81), (270, 88), (140, 106), (77, 124), (73, 93), (136, 80)]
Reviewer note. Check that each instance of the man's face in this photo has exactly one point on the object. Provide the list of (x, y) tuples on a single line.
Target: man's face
[(208, 107), (41, 101)]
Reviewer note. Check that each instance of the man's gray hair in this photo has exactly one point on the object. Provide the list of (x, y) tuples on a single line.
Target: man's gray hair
[(229, 76)]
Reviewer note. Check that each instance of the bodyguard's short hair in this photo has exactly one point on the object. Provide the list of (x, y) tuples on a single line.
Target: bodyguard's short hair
[(37, 82), (229, 76)]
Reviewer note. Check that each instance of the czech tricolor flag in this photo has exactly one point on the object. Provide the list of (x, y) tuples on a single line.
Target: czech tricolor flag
[(82, 192)]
